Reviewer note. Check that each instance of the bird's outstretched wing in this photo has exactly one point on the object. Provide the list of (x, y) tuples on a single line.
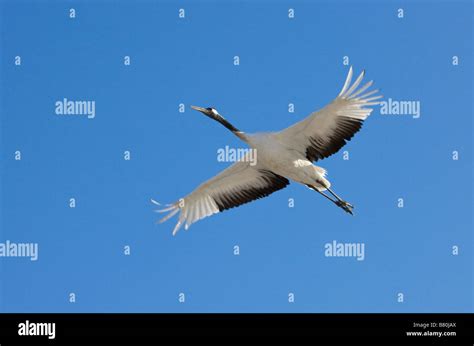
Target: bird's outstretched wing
[(239, 184), (326, 131)]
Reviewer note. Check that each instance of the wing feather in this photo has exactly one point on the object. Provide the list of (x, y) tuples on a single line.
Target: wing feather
[(326, 131), (239, 184)]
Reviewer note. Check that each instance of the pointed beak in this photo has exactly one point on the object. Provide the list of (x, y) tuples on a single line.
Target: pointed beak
[(200, 109)]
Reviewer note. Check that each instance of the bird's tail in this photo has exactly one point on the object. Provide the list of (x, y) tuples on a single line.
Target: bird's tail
[(321, 184)]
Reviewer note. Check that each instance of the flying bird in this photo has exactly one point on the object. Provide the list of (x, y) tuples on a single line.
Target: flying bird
[(282, 156)]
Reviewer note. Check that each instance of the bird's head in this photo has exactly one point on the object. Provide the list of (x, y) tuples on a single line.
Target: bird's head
[(214, 114), (209, 111)]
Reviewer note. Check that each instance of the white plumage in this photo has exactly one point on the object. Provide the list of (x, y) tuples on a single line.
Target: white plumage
[(281, 156)]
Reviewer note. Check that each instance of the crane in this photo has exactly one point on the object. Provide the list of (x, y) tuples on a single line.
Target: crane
[(282, 156)]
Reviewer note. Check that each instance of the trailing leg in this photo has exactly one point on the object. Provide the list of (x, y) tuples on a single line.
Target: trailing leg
[(347, 207), (341, 203)]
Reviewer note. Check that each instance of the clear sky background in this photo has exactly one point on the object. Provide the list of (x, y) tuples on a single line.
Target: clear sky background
[(81, 250)]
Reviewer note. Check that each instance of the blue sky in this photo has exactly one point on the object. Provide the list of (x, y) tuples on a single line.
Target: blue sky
[(190, 60)]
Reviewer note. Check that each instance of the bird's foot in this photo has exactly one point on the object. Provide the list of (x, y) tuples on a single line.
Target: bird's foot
[(346, 206)]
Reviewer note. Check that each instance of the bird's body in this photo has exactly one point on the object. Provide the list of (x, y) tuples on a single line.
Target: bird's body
[(281, 156), (276, 156)]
